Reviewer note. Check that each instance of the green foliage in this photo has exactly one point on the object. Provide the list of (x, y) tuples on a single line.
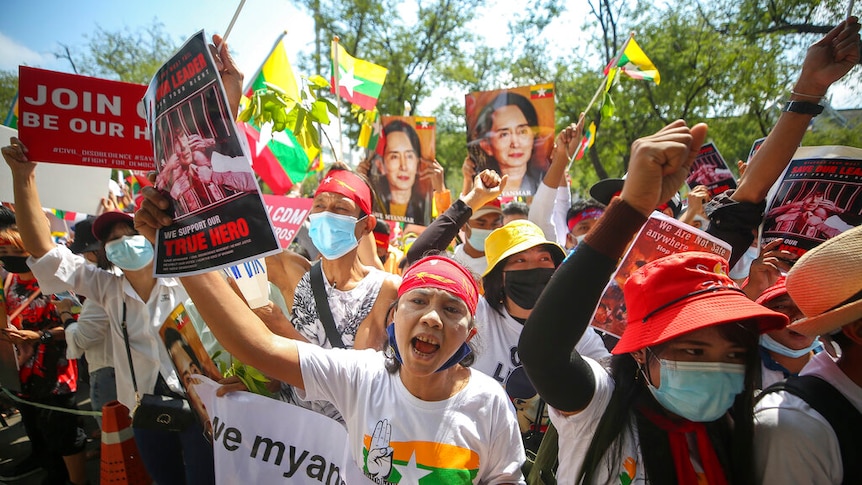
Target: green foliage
[(8, 89), (252, 378)]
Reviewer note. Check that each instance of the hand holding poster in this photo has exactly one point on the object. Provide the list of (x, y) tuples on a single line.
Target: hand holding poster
[(659, 237), (189, 358), (219, 216), (710, 169), (512, 131), (818, 196), (401, 176), (81, 120)]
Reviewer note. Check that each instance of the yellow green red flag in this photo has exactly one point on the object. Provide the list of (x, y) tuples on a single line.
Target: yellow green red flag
[(359, 81), (635, 63)]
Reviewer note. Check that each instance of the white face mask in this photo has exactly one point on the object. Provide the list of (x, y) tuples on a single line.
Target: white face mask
[(741, 268), (477, 238)]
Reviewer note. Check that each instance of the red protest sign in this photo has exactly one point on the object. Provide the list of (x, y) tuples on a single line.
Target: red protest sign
[(80, 120), (286, 214)]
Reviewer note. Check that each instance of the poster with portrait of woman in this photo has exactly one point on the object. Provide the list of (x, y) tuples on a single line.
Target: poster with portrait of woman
[(401, 168), (512, 131)]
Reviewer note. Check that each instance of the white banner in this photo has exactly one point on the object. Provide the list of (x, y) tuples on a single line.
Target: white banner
[(66, 187), (261, 440)]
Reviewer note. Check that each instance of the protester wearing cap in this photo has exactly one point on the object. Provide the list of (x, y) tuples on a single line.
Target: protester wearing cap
[(418, 395), (90, 333), (388, 254), (795, 443), (684, 368), (783, 352), (471, 253), (520, 263), (143, 300)]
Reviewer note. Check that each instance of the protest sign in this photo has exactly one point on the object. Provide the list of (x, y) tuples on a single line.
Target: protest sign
[(754, 148), (512, 131), (81, 120), (660, 236), (710, 169), (189, 357), (818, 196), (287, 215), (261, 440), (219, 215), (66, 187), (401, 176)]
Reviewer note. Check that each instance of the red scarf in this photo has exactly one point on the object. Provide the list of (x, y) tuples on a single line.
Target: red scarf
[(676, 431)]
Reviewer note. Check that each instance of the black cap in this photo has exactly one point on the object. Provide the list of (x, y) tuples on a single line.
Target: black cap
[(85, 241)]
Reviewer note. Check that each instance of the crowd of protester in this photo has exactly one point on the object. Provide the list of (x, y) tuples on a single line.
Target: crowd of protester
[(475, 332)]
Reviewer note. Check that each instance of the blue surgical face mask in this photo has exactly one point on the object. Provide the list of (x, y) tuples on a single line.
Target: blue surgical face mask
[(477, 238), (334, 235), (698, 391), (772, 345), (130, 252)]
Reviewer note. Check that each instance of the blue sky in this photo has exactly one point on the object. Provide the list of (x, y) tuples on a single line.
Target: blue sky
[(31, 31)]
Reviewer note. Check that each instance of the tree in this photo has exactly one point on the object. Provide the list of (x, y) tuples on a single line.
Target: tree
[(8, 90), (126, 55)]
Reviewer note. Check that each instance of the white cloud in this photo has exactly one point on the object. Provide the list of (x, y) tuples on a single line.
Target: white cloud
[(13, 54)]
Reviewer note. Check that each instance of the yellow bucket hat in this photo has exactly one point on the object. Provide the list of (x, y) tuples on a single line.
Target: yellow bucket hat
[(515, 237)]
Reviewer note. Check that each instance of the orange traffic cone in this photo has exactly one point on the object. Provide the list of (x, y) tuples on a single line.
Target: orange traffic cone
[(121, 462)]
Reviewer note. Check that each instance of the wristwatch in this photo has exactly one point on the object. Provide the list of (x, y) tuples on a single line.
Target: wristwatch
[(46, 337), (803, 107)]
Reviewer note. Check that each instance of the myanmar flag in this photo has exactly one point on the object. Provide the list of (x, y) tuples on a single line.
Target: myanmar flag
[(587, 141), (425, 122), (540, 91), (635, 63), (277, 158), (359, 82)]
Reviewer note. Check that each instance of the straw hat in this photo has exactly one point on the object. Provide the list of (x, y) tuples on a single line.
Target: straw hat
[(826, 283)]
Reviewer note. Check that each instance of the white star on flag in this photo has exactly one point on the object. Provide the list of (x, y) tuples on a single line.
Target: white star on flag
[(327, 180), (424, 124), (410, 473), (347, 81), (541, 91)]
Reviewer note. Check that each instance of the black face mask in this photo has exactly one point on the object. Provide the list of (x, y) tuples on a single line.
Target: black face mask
[(15, 264), (525, 286)]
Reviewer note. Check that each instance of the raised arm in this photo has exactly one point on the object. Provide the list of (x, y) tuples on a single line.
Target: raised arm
[(659, 164), (231, 321), (35, 233), (487, 186), (826, 61)]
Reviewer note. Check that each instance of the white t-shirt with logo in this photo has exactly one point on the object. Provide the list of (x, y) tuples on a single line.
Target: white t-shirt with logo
[(396, 437), (476, 265)]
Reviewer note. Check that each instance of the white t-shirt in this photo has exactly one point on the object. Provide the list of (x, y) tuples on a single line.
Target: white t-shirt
[(468, 438), (476, 265), (497, 355), (794, 443)]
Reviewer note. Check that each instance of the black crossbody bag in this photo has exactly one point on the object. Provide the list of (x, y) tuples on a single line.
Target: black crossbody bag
[(155, 411)]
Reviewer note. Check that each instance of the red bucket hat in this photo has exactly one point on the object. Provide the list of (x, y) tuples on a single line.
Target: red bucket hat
[(683, 292), (774, 291)]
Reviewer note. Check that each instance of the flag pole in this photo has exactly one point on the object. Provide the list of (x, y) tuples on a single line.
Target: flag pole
[(230, 25), (260, 68), (337, 74), (613, 62)]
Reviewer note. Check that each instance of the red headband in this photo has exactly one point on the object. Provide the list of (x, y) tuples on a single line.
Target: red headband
[(588, 213), (444, 274), (381, 239), (348, 184)]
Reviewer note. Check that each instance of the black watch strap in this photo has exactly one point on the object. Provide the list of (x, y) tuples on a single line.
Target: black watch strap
[(46, 336), (803, 107)]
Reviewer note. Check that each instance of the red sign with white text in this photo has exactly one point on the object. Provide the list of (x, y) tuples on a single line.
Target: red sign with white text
[(80, 120), (287, 215)]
